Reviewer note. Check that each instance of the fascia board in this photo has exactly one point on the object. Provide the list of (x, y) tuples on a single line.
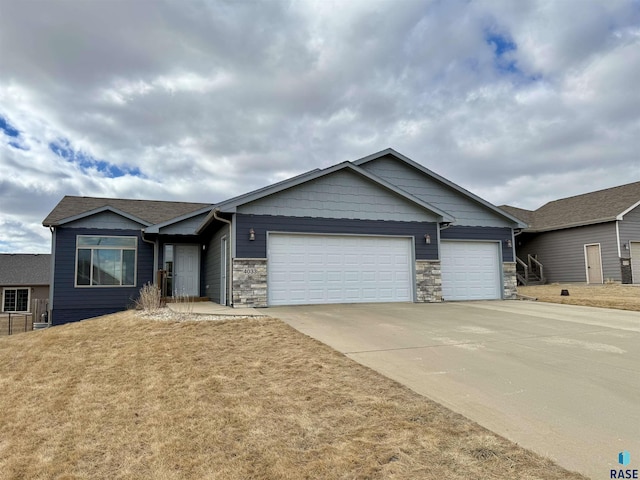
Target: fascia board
[(156, 228), (571, 225), (210, 218), (621, 216)]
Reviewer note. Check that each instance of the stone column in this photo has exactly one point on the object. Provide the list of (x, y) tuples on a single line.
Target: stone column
[(428, 281), (249, 282), (510, 281)]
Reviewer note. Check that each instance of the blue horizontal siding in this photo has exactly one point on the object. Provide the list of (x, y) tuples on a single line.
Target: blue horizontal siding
[(501, 234), (73, 304), (63, 316), (261, 224)]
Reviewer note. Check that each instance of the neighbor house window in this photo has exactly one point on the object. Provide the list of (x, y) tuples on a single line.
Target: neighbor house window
[(15, 300), (106, 261)]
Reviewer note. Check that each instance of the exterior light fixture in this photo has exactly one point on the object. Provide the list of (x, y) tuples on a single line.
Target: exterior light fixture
[(427, 238), (508, 240), (252, 234), (626, 246)]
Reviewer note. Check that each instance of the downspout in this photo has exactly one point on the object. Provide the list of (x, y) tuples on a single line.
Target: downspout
[(514, 234), (441, 226), (155, 256), (52, 275), (229, 298)]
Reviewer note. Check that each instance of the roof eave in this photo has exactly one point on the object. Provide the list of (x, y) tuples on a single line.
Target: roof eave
[(621, 216), (571, 225), (230, 206), (96, 211), (156, 228)]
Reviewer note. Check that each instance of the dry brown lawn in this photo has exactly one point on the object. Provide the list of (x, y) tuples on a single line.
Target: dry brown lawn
[(127, 397), (624, 297)]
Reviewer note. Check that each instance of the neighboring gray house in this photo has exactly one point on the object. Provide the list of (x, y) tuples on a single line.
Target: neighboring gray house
[(590, 238), (380, 229), (23, 277)]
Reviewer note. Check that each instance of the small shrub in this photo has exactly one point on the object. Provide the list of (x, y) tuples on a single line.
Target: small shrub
[(185, 304), (150, 298)]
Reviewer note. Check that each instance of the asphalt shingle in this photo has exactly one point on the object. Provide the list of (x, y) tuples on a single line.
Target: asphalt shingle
[(24, 269), (585, 209), (151, 211)]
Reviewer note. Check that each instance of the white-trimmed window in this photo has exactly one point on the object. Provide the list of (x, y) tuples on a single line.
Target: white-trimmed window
[(15, 299), (105, 261)]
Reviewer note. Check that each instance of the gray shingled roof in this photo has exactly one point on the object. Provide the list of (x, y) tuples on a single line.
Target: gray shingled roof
[(151, 211), (24, 269), (525, 215), (588, 208)]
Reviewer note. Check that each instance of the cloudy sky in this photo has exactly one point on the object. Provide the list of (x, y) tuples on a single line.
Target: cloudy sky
[(520, 102)]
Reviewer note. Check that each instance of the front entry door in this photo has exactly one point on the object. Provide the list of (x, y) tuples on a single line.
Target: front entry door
[(187, 271), (594, 263)]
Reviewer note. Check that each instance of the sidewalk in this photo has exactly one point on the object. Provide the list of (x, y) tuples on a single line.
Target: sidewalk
[(210, 308)]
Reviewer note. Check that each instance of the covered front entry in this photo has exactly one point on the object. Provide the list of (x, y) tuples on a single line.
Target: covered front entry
[(470, 270), (316, 269), (186, 270)]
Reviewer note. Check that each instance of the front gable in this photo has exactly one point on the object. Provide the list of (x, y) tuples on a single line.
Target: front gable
[(341, 194), (466, 210), (105, 218), (186, 226)]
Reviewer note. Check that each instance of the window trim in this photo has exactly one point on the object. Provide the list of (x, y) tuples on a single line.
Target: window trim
[(105, 247), (28, 289)]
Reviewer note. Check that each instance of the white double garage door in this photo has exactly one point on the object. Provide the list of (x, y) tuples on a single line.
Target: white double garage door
[(315, 269)]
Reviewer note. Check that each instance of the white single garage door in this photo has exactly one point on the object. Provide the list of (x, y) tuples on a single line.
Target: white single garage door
[(470, 270), (313, 269)]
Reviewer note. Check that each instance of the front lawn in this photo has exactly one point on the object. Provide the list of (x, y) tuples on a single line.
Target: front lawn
[(126, 397), (623, 297)]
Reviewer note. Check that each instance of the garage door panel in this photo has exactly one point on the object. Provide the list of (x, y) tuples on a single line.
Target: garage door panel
[(470, 270), (338, 269), (402, 277)]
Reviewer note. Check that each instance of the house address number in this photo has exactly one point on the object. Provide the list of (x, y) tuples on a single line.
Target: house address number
[(250, 270)]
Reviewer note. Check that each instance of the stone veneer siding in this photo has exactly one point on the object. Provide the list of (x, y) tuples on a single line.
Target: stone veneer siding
[(249, 282), (428, 281), (510, 280)]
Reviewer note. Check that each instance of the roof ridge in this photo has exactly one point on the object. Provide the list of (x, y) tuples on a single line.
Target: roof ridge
[(137, 199), (589, 193)]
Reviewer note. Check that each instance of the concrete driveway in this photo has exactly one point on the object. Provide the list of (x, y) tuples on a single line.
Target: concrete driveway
[(561, 380)]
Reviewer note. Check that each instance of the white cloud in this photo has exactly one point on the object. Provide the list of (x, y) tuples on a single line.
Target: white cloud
[(210, 99)]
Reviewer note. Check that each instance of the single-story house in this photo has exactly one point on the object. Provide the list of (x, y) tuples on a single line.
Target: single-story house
[(589, 238), (379, 229), (23, 277)]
